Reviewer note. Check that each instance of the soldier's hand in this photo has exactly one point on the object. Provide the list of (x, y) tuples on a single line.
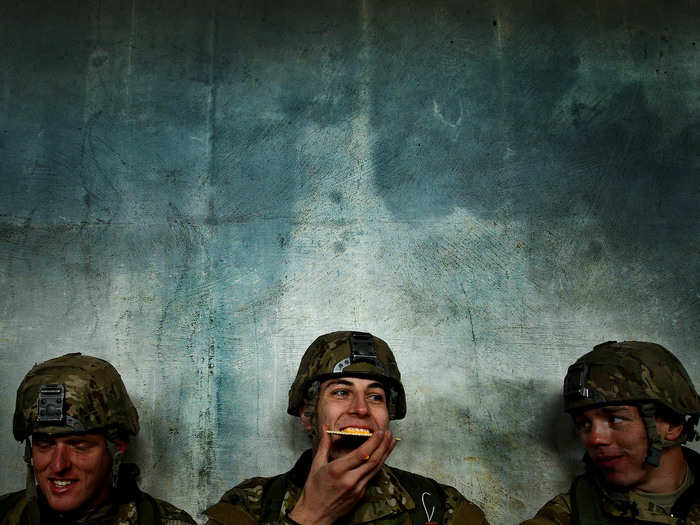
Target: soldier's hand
[(334, 488)]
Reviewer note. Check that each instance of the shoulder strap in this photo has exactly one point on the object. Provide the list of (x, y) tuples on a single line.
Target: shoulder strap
[(147, 509), (11, 508), (433, 510), (272, 495), (586, 505), (227, 514)]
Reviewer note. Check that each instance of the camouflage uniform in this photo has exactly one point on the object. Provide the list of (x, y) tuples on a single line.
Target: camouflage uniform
[(629, 507), (75, 394), (111, 513), (647, 376), (386, 500), (393, 497)]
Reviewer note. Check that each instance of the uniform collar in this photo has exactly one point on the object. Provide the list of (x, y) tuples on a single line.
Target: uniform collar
[(633, 504), (96, 515)]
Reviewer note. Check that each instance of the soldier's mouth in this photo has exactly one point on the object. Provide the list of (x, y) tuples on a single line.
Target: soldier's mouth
[(61, 483), (357, 430), (352, 431), (608, 461)]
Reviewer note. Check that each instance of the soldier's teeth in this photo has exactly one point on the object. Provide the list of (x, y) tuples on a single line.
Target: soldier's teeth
[(61, 482), (356, 429)]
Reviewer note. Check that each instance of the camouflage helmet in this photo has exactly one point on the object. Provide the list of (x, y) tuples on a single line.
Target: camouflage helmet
[(348, 354), (635, 373), (73, 393), (630, 372)]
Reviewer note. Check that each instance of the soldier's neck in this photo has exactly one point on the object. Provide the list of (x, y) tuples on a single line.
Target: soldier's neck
[(669, 475)]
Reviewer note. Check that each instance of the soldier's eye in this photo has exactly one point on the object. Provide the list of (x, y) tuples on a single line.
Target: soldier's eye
[(42, 445), (582, 426), (378, 398), (340, 392)]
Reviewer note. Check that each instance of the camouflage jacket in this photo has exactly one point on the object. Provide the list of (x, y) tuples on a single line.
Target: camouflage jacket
[(15, 510), (628, 507), (386, 501)]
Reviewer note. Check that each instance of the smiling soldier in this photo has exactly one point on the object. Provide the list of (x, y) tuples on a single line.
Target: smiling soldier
[(348, 383), (633, 404), (75, 416)]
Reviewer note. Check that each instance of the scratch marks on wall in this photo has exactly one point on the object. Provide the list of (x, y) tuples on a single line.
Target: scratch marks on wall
[(99, 165), (437, 111), (471, 324), (454, 123)]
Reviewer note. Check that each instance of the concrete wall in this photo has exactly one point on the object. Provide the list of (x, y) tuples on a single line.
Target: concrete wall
[(196, 190)]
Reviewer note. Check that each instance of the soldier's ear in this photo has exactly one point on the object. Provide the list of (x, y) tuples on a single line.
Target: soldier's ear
[(668, 430), (674, 431), (305, 417), (121, 444)]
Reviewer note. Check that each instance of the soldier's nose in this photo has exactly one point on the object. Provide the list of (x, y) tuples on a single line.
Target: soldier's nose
[(599, 434), (359, 406), (60, 460)]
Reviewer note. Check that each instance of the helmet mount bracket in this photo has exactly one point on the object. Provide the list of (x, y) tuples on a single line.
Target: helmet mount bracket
[(50, 408), (50, 404), (362, 348)]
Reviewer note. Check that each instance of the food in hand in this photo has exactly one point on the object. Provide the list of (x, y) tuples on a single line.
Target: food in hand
[(355, 432)]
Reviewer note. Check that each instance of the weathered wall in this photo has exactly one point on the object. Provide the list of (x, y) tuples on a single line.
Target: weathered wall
[(195, 192)]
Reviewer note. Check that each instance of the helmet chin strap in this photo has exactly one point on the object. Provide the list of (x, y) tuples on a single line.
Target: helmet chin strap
[(311, 411), (33, 507), (656, 443), (648, 414), (111, 436), (117, 458), (31, 483)]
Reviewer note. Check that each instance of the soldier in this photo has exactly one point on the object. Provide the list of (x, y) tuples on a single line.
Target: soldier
[(347, 381), (633, 405), (75, 416)]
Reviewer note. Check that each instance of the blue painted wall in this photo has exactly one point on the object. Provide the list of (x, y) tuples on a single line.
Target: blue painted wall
[(195, 191)]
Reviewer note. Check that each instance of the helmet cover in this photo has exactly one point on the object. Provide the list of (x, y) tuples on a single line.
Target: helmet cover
[(73, 393), (349, 354), (630, 372)]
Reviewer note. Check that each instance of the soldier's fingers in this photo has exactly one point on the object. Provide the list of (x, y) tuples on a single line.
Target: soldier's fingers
[(391, 444), (359, 457), (366, 461), (375, 459), (324, 447), (381, 453)]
